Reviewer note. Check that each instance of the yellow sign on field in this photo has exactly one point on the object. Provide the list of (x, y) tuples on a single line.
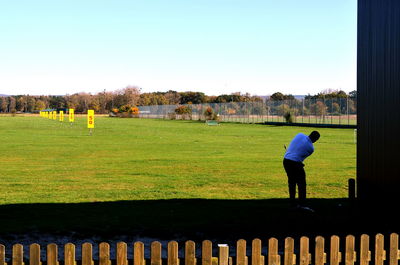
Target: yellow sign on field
[(90, 119), (71, 115), (49, 115), (55, 115), (61, 115)]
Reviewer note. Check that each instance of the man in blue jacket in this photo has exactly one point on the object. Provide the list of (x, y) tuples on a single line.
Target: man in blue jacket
[(299, 149)]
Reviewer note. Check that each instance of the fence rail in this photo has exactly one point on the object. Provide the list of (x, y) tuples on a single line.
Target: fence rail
[(334, 251), (340, 111)]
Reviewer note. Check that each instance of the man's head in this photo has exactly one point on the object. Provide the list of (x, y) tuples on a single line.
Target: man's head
[(314, 136)]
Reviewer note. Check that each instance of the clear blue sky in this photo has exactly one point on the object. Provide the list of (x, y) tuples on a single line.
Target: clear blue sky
[(212, 46)]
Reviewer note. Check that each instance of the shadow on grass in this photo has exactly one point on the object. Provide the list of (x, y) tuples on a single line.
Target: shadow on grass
[(193, 219)]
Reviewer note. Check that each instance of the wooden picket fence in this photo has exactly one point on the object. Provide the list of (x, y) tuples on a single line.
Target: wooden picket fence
[(341, 251)]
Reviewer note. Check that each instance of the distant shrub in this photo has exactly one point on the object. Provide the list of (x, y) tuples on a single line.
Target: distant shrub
[(125, 111), (216, 117), (134, 110), (211, 115), (184, 111), (124, 108), (208, 113), (288, 117)]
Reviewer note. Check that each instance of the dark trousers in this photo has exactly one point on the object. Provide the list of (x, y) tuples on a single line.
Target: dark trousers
[(296, 177)]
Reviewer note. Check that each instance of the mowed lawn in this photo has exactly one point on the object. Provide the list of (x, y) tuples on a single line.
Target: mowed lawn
[(46, 161)]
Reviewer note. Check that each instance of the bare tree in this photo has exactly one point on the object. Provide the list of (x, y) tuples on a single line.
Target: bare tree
[(132, 94), (21, 104), (3, 104), (12, 105)]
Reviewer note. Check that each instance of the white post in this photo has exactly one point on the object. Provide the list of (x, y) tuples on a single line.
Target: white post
[(355, 136), (223, 254)]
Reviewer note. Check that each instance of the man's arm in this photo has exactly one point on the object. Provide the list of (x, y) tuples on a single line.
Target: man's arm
[(310, 149)]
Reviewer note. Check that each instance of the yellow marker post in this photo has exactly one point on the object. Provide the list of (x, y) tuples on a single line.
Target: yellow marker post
[(49, 115), (61, 115), (55, 115), (71, 115), (90, 120)]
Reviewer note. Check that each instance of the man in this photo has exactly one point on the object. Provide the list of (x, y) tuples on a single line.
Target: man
[(299, 149)]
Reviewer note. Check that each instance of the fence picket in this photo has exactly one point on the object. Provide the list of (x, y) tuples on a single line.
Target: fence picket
[(104, 254), (380, 253), (87, 252), (350, 250), (173, 258), (320, 255), (365, 254), (273, 257), (206, 252), (223, 255), (256, 252), (138, 253), (34, 254), (290, 257), (122, 253), (241, 258), (2, 255), (214, 261), (394, 249), (190, 253), (52, 254), (17, 254), (336, 255), (156, 255), (69, 254), (305, 251)]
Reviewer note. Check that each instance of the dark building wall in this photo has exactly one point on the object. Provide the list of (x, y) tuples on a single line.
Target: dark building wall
[(378, 88)]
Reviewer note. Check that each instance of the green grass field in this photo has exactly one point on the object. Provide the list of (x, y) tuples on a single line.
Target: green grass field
[(45, 161)]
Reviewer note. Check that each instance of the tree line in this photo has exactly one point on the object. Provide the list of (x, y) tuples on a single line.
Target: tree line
[(326, 94), (104, 102)]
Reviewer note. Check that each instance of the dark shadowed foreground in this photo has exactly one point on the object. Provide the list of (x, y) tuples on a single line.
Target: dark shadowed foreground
[(196, 219)]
